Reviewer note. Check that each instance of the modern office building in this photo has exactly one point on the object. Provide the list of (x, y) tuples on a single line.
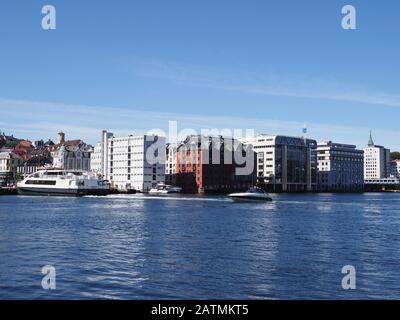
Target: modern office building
[(285, 164), (376, 161), (132, 162), (214, 165), (340, 167)]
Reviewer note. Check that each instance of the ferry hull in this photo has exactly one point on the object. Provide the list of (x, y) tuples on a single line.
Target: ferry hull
[(62, 192)]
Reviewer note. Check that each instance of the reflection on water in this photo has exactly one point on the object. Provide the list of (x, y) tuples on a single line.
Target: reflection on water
[(171, 247)]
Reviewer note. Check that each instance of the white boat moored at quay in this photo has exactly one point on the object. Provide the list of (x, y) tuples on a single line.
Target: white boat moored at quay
[(253, 194), (162, 188), (51, 182)]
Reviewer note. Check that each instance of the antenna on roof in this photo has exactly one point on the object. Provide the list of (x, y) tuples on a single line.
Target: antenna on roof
[(304, 131)]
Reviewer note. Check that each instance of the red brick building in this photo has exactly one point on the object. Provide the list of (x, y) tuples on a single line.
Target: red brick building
[(211, 165)]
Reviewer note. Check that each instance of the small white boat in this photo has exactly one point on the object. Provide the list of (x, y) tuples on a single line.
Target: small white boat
[(253, 194), (162, 188), (53, 182)]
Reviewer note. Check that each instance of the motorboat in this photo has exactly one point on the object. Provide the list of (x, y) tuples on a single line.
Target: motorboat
[(162, 188), (50, 182), (253, 194)]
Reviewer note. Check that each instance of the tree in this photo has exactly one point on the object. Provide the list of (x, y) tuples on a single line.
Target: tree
[(395, 155)]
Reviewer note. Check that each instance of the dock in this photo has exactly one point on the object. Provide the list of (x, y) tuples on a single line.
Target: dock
[(8, 191)]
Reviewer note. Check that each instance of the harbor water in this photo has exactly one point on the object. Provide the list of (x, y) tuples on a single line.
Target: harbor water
[(200, 247)]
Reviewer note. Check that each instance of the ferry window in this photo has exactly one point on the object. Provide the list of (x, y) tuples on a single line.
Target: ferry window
[(42, 182)]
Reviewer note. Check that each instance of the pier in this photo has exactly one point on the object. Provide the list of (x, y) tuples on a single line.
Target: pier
[(8, 191)]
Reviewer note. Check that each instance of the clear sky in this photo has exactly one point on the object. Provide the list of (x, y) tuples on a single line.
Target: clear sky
[(266, 65)]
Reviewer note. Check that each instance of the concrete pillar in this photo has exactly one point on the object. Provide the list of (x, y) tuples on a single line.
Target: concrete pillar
[(284, 168), (104, 154), (308, 169)]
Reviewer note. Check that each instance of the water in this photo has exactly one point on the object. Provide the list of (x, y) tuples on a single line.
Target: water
[(138, 247)]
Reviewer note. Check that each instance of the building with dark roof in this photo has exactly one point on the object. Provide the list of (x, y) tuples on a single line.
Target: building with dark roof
[(214, 165), (71, 154)]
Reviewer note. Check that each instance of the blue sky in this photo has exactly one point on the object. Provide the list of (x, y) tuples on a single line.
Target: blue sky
[(272, 66)]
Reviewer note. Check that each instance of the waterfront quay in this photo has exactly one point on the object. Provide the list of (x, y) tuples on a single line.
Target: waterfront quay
[(8, 191), (207, 164)]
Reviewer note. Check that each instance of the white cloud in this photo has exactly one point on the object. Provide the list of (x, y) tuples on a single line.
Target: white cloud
[(30, 119), (310, 87)]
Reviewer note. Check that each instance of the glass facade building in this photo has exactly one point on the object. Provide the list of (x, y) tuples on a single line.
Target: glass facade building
[(285, 164)]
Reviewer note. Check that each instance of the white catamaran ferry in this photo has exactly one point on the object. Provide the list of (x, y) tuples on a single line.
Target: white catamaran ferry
[(62, 183)]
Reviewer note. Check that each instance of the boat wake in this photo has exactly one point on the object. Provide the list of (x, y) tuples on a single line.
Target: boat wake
[(164, 197)]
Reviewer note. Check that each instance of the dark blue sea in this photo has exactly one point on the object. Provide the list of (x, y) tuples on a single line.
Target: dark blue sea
[(180, 247)]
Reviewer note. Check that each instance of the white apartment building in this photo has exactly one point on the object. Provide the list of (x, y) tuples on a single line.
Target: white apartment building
[(340, 167), (132, 162), (170, 163), (96, 163), (9, 163), (285, 163), (376, 161)]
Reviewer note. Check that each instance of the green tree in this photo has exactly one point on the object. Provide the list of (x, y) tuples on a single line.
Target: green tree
[(395, 155)]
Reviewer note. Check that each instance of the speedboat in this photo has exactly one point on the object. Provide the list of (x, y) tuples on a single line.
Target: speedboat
[(253, 194), (162, 188), (63, 183)]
